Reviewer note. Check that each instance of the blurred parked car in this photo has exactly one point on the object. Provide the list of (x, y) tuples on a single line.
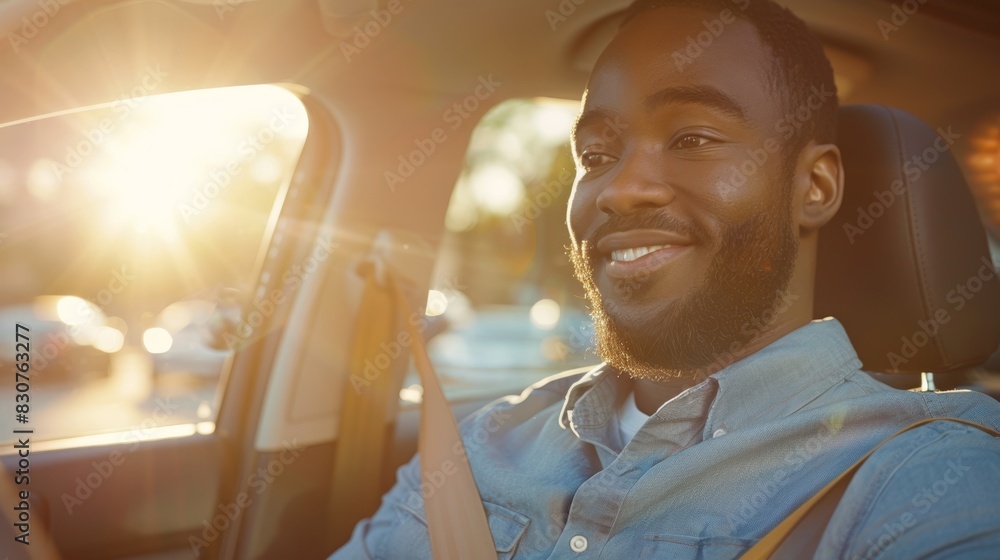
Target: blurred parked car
[(60, 352)]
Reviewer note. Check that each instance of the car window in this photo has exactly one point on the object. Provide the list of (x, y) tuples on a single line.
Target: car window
[(504, 309), (129, 237)]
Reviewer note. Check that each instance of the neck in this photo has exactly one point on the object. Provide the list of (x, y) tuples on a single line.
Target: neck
[(650, 395)]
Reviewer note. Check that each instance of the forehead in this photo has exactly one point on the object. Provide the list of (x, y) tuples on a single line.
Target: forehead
[(684, 47)]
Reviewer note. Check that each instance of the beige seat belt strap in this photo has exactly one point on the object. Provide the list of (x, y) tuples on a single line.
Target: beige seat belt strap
[(798, 536), (356, 484), (456, 518)]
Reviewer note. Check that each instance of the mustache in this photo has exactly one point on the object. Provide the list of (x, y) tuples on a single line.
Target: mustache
[(644, 219)]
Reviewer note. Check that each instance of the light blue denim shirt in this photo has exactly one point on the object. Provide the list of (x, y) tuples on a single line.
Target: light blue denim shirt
[(718, 466)]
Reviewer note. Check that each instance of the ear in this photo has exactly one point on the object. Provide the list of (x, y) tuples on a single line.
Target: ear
[(820, 187)]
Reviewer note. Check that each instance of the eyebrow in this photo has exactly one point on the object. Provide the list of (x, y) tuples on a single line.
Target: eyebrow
[(587, 119), (708, 97)]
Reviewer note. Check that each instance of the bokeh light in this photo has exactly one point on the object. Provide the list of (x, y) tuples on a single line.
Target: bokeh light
[(109, 339), (437, 303), (157, 340), (545, 314)]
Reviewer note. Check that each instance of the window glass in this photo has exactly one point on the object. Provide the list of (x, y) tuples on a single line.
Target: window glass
[(129, 237), (505, 310)]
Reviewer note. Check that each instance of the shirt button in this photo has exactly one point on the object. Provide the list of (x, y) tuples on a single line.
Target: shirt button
[(578, 543), (719, 433)]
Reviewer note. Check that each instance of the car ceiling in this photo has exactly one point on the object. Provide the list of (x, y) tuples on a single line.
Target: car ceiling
[(84, 53), (433, 52)]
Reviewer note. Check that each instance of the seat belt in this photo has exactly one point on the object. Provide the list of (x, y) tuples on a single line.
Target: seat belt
[(356, 487), (798, 536), (456, 519)]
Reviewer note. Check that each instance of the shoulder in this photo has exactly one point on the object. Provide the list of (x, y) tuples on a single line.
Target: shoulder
[(560, 382), (967, 405), (933, 488), (542, 394), (942, 453), (941, 442), (894, 408), (545, 395)]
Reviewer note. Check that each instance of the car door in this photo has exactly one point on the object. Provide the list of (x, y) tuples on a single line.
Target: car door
[(139, 251)]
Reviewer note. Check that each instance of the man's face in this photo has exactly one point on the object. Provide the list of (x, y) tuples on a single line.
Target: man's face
[(681, 251)]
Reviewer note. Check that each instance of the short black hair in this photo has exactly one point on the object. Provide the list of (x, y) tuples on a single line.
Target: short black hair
[(800, 65)]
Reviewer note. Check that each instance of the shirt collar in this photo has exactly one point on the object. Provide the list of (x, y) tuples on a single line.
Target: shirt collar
[(769, 384)]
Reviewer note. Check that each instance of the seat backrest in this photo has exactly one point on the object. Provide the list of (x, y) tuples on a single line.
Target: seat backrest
[(905, 265)]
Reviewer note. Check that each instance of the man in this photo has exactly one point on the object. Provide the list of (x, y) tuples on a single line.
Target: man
[(721, 406)]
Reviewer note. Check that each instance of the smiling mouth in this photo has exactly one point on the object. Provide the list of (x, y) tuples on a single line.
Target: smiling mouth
[(638, 263), (630, 255), (636, 253)]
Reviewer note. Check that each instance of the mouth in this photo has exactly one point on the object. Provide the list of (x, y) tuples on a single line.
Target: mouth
[(637, 254), (630, 255)]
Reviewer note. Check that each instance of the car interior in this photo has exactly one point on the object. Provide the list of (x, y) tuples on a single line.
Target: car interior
[(235, 389)]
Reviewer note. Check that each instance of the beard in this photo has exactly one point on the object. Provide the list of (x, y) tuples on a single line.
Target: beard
[(699, 334)]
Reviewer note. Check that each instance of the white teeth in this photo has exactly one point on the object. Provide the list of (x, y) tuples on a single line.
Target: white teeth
[(629, 255)]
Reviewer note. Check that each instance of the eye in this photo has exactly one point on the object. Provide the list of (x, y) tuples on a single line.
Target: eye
[(592, 160), (691, 141)]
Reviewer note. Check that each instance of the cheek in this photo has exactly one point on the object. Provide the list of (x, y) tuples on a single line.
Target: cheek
[(579, 213), (734, 196), (728, 187)]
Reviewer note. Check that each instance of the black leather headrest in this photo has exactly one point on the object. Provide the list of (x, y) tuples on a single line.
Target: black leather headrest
[(905, 263)]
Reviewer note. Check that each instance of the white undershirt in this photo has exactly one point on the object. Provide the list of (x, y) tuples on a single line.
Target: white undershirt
[(630, 418)]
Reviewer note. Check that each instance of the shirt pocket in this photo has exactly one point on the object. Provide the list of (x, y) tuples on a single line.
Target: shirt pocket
[(506, 525), (508, 528), (679, 547)]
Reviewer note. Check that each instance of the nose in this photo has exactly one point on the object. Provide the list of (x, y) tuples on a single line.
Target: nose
[(638, 185)]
